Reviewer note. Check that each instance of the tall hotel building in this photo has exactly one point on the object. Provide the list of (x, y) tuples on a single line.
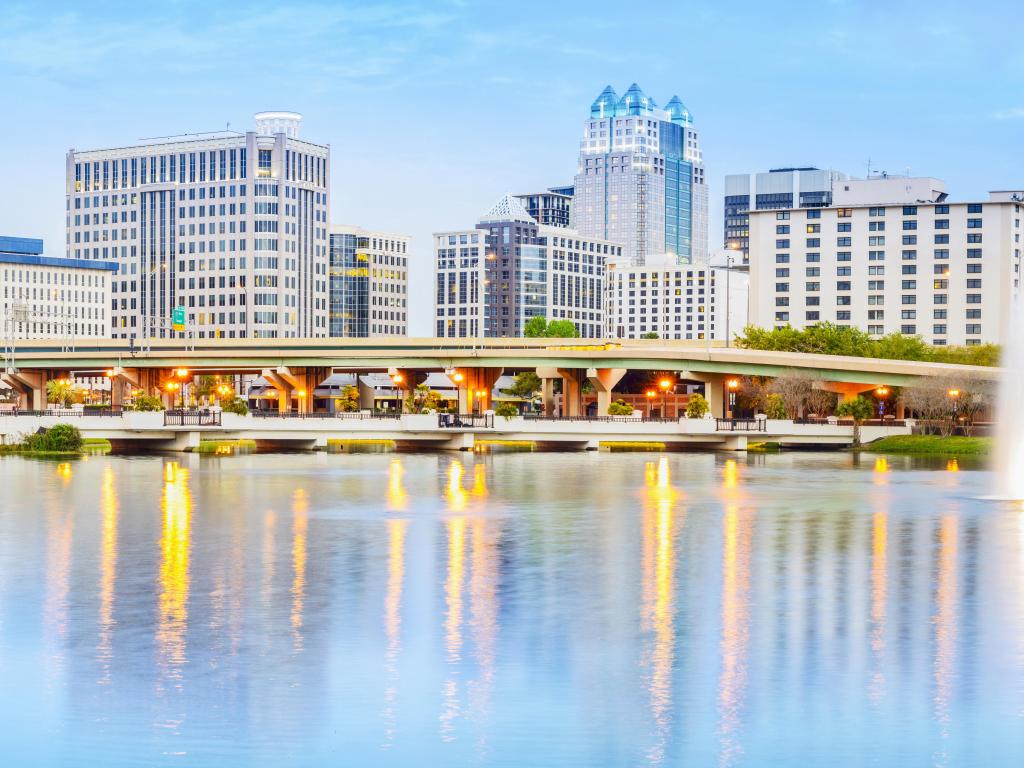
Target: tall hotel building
[(640, 180), (490, 280), (230, 226), (890, 255), (369, 283)]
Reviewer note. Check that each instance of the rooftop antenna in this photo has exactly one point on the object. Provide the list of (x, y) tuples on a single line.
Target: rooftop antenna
[(869, 167), (908, 171)]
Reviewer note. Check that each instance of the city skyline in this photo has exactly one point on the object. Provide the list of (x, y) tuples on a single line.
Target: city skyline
[(829, 101)]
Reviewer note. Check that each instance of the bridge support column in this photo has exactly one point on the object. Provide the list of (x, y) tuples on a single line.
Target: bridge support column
[(714, 390), (547, 390), (846, 390), (572, 391), (604, 381), (405, 381), (476, 388), (284, 382), (367, 395), (26, 384)]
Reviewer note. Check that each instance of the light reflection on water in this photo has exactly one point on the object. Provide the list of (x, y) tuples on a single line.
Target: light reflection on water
[(514, 609)]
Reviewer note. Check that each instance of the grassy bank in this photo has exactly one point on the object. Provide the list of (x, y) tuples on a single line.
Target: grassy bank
[(931, 445)]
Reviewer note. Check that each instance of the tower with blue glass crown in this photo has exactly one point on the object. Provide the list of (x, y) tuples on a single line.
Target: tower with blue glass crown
[(640, 179)]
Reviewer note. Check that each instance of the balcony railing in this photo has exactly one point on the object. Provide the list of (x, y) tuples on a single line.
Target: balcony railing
[(347, 415), (63, 412), (200, 418)]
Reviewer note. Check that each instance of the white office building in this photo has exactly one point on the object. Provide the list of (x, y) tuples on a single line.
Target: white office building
[(490, 280), (231, 226), (640, 179), (890, 255), (676, 301), (369, 283), (43, 297)]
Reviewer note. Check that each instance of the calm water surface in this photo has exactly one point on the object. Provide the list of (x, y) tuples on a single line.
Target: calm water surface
[(508, 610)]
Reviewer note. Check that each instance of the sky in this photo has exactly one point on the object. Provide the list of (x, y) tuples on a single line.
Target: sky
[(434, 110)]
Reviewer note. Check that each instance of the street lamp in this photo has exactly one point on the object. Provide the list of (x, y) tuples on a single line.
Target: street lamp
[(651, 394), (666, 385), (882, 393), (730, 403), (172, 387), (954, 395)]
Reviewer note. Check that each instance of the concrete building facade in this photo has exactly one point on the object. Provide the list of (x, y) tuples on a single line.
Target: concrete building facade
[(490, 280), (233, 227), (43, 297), (890, 255), (640, 179), (369, 283), (675, 301), (779, 188), (552, 208)]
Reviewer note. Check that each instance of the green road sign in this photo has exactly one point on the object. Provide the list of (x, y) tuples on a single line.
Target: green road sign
[(178, 319)]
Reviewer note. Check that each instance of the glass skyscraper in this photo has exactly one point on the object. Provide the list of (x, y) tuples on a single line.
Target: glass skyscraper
[(368, 283), (640, 180)]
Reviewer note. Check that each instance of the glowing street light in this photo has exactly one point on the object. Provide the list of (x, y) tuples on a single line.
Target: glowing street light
[(882, 391), (666, 385), (730, 402)]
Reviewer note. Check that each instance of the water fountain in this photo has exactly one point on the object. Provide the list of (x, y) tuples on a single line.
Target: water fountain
[(1009, 448)]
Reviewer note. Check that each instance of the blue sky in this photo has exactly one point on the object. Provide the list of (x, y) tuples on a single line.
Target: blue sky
[(434, 110)]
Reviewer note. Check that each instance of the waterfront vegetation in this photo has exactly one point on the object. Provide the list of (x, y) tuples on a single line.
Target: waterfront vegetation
[(953, 445), (831, 339), (58, 440)]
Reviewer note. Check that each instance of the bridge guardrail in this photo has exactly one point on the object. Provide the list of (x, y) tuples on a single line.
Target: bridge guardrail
[(180, 418), (351, 415), (63, 412), (465, 420), (741, 425)]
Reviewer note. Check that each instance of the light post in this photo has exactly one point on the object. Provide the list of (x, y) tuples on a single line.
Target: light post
[(665, 385), (651, 394), (730, 401), (881, 393), (954, 395), (181, 374), (171, 387)]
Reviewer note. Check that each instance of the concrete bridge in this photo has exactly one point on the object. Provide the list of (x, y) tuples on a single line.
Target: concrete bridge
[(182, 431), (296, 366)]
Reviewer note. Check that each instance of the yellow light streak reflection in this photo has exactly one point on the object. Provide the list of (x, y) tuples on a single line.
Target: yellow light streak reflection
[(300, 523), (952, 465), (945, 628), (456, 528), (880, 471), (658, 589), (454, 492), (396, 495), (175, 543), (879, 592), (736, 541), (393, 621), (64, 471), (108, 571)]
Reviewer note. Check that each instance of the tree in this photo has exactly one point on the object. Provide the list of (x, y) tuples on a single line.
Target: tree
[(944, 402), (348, 401), (59, 392), (536, 327), (696, 406), (507, 410), (421, 399), (859, 409), (650, 335), (775, 407), (236, 405), (204, 386), (820, 401), (526, 385), (562, 329), (793, 388), (753, 394), (620, 408)]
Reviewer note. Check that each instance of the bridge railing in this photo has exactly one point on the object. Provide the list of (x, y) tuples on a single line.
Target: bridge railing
[(63, 412), (201, 418), (465, 420), (741, 425), (348, 415), (618, 419)]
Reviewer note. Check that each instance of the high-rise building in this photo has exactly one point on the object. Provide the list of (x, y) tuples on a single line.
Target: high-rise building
[(640, 180), (231, 226), (369, 283), (778, 188), (43, 297), (552, 207), (890, 255), (675, 301), (492, 279)]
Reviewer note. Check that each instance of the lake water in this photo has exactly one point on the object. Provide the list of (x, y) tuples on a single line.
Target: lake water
[(509, 610)]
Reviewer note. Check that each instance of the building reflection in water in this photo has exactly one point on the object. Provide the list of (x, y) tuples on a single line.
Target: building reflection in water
[(483, 595), (300, 523), (175, 542), (453, 586), (60, 528), (945, 628), (269, 558), (108, 571), (737, 531), (659, 589), (393, 618)]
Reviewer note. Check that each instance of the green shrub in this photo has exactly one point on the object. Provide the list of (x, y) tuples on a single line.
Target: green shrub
[(697, 407), (236, 405), (508, 410), (775, 407), (620, 408), (147, 403), (62, 438)]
